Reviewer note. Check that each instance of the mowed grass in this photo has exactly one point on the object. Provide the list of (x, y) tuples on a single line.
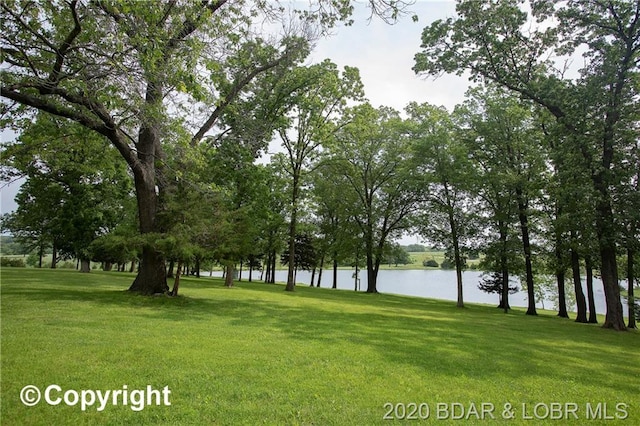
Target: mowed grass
[(255, 354)]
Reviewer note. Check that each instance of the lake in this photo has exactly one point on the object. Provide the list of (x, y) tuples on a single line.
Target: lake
[(430, 283)]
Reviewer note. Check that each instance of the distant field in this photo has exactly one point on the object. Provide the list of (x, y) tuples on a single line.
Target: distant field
[(417, 257), (255, 354)]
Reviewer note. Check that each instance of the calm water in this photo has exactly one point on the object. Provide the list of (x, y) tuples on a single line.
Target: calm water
[(435, 284)]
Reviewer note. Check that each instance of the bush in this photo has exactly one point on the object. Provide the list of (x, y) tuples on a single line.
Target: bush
[(67, 265), (33, 260), (12, 262), (447, 264), (430, 263)]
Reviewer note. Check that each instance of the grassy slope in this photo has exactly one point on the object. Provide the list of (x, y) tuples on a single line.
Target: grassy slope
[(255, 354)]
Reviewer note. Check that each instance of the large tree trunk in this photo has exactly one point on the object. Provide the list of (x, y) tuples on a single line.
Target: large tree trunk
[(85, 266), (372, 276), (606, 231), (229, 271), (335, 270), (562, 296), (526, 245), (577, 285), (152, 276)]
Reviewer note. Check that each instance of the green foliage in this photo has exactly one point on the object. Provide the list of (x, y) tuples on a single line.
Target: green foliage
[(12, 262), (394, 254), (305, 257), (75, 186), (430, 263)]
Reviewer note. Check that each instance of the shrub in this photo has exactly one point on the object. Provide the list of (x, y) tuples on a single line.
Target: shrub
[(430, 263), (447, 264), (12, 262)]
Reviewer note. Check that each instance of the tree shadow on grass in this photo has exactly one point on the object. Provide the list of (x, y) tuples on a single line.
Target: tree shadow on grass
[(433, 336)]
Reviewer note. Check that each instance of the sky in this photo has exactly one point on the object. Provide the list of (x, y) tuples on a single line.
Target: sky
[(384, 55)]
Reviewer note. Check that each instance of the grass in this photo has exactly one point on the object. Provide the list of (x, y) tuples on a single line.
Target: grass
[(255, 354)]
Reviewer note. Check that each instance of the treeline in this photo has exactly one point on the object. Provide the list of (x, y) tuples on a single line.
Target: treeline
[(150, 123)]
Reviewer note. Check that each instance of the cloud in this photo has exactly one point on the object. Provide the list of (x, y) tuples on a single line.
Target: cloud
[(384, 55)]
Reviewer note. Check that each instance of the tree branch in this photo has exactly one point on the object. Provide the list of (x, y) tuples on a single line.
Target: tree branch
[(237, 87)]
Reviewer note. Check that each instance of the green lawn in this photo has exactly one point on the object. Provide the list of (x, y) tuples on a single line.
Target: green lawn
[(255, 354)]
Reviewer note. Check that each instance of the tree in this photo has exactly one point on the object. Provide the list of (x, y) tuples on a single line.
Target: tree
[(442, 160), (504, 141), (492, 283), (75, 187), (335, 223), (372, 151), (320, 97), (127, 71), (498, 41)]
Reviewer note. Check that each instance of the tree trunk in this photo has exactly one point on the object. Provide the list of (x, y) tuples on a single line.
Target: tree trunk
[(313, 276), (335, 270), (593, 316), (41, 255), (197, 266), (228, 279), (267, 272), (524, 227), (320, 271), (240, 272), (152, 275), (176, 281), (274, 259), (250, 271), (560, 277), (54, 256), (631, 282), (606, 231), (171, 266), (457, 257), (504, 267), (372, 276), (85, 266), (107, 266), (291, 283), (562, 296), (577, 285)]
